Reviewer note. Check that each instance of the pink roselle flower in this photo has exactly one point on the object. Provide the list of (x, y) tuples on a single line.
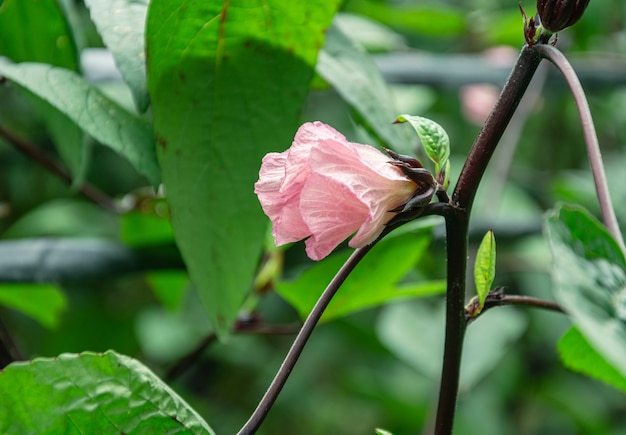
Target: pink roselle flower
[(324, 188)]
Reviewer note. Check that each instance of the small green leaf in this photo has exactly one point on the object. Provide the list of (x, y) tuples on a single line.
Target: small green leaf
[(380, 431), (433, 137), (91, 393), (578, 355), (97, 115), (353, 74), (485, 267), (121, 24), (44, 303), (373, 282), (590, 282)]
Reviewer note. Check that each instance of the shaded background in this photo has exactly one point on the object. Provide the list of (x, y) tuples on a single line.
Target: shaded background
[(379, 367)]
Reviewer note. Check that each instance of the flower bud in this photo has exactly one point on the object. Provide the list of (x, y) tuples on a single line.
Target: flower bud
[(324, 188), (556, 15)]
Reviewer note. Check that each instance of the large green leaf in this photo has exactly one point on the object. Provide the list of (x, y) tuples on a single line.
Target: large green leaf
[(97, 115), (349, 69), (589, 279), (121, 24), (578, 355), (226, 81), (91, 393), (373, 282)]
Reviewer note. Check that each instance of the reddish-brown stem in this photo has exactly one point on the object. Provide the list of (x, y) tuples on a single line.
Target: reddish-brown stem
[(591, 139), (457, 223), (295, 351)]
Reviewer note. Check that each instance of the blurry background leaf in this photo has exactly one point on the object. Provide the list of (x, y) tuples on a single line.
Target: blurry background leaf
[(368, 33), (169, 287), (414, 332), (92, 392), (65, 218), (138, 228), (40, 32), (121, 24), (590, 281), (44, 303), (103, 119), (376, 280), (578, 355), (168, 335), (36, 32), (53, 259), (346, 66), (226, 84), (436, 19)]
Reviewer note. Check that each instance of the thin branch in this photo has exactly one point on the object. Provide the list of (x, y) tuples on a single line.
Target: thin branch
[(183, 364), (496, 298), (591, 139), (9, 351), (295, 351), (522, 300), (34, 153)]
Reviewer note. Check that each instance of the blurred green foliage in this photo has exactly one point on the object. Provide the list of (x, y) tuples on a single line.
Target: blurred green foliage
[(371, 368)]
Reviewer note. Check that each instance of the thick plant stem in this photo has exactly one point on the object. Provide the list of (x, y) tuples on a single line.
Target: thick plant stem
[(494, 127), (457, 230), (283, 373), (591, 139)]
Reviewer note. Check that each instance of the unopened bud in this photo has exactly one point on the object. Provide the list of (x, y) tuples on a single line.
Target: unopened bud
[(556, 15)]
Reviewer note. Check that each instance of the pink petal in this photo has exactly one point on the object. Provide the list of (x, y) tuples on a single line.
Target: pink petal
[(366, 173), (280, 202), (384, 188), (332, 213), (308, 137)]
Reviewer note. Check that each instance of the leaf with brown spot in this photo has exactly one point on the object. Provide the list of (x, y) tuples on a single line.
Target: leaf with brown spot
[(225, 115)]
